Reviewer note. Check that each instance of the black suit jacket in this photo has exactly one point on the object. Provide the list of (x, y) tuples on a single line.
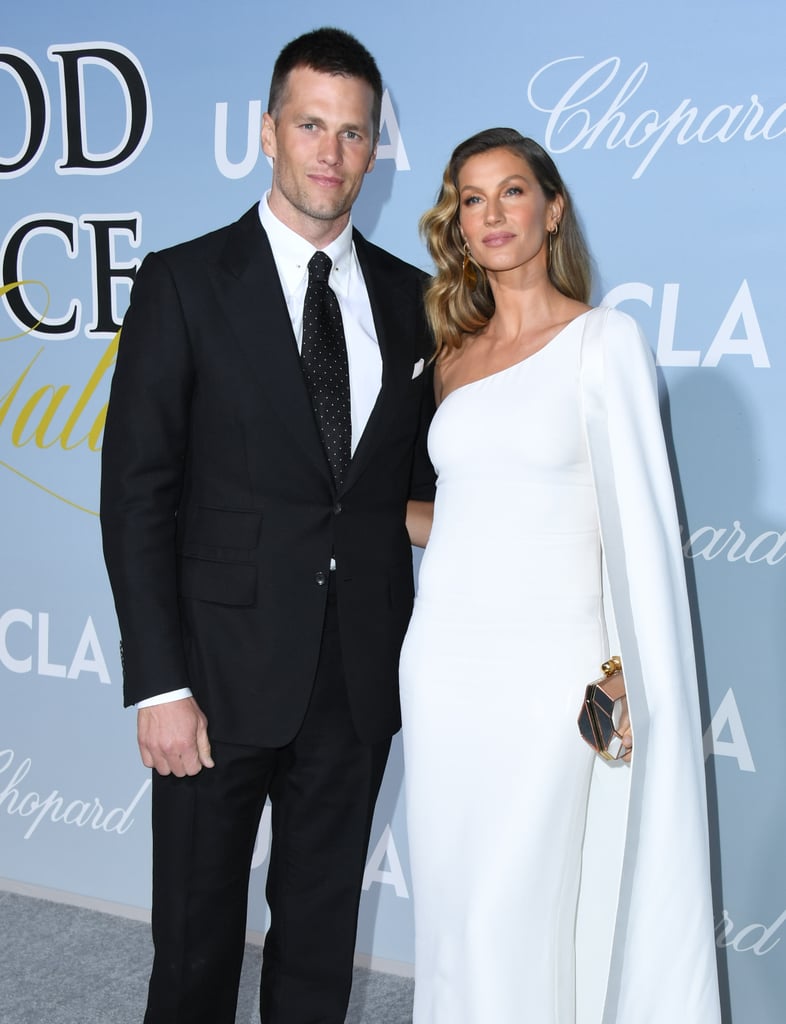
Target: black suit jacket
[(218, 508)]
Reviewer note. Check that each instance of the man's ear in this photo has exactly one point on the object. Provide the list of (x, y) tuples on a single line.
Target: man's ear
[(268, 136), (373, 158)]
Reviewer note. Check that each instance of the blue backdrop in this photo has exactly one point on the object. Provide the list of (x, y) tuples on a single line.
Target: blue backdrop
[(125, 129)]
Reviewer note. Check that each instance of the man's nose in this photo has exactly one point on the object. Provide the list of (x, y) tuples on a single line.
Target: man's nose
[(330, 150)]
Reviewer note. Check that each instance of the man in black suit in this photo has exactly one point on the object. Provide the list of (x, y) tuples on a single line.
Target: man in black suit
[(262, 585)]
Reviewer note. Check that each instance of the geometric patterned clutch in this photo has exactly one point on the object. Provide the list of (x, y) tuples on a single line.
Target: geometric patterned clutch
[(601, 711)]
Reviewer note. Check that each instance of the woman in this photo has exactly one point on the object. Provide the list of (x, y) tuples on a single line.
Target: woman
[(554, 545)]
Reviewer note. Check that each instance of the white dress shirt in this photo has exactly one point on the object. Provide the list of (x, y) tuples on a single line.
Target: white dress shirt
[(291, 253)]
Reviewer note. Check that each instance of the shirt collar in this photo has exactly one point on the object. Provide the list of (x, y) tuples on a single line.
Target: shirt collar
[(292, 252)]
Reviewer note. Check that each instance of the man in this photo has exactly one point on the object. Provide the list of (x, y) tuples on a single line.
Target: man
[(258, 554)]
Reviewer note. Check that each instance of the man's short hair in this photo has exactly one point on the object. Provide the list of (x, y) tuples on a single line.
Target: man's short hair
[(333, 52)]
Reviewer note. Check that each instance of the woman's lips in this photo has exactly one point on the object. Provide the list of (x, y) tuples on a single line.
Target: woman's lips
[(497, 238)]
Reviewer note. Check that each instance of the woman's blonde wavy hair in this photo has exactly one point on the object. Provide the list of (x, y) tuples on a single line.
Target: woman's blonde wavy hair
[(459, 304)]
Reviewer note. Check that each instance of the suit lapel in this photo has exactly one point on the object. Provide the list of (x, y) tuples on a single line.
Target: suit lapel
[(385, 300), (249, 292)]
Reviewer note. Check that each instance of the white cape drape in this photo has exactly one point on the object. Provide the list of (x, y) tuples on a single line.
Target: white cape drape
[(645, 945)]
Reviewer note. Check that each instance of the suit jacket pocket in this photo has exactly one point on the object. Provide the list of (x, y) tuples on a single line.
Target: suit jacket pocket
[(231, 583), (224, 527)]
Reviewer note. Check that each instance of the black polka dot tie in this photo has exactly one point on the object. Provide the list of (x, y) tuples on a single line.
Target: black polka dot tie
[(325, 367)]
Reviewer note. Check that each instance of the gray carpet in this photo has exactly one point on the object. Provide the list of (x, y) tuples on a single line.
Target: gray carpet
[(65, 965)]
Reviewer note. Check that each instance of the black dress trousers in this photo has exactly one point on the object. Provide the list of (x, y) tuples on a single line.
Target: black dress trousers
[(323, 787)]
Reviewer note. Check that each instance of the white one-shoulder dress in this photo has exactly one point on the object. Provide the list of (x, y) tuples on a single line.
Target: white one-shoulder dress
[(507, 626), (507, 629)]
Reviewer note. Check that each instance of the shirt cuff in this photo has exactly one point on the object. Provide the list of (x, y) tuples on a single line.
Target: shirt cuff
[(165, 698)]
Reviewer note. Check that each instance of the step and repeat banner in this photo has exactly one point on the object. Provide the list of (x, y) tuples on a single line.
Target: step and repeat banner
[(127, 128)]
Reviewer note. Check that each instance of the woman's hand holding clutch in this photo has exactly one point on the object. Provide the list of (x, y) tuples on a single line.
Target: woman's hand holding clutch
[(624, 729), (604, 721)]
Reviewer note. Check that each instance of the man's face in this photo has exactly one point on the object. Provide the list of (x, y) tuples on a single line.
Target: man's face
[(321, 144)]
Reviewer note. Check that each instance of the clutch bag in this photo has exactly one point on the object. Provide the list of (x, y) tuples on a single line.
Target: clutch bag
[(600, 713)]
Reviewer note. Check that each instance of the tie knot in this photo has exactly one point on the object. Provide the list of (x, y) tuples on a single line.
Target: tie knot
[(319, 266)]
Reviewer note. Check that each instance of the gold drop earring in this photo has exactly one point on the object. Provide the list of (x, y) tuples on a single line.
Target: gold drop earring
[(469, 274)]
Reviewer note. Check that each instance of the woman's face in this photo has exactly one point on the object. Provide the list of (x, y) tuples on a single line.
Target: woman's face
[(504, 215)]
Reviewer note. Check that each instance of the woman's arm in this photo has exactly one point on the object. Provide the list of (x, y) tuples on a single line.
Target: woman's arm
[(419, 518)]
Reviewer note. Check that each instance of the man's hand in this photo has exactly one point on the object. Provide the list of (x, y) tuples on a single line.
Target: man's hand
[(173, 738)]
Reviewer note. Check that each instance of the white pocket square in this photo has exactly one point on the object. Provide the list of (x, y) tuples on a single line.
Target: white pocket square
[(417, 369)]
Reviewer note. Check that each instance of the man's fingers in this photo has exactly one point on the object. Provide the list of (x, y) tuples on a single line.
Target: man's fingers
[(189, 763), (203, 747), (173, 738), (160, 762)]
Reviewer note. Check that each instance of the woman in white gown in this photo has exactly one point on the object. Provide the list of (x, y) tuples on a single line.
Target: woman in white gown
[(554, 544)]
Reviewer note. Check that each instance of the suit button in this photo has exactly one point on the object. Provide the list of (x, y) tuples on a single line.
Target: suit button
[(337, 509), (320, 579)]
